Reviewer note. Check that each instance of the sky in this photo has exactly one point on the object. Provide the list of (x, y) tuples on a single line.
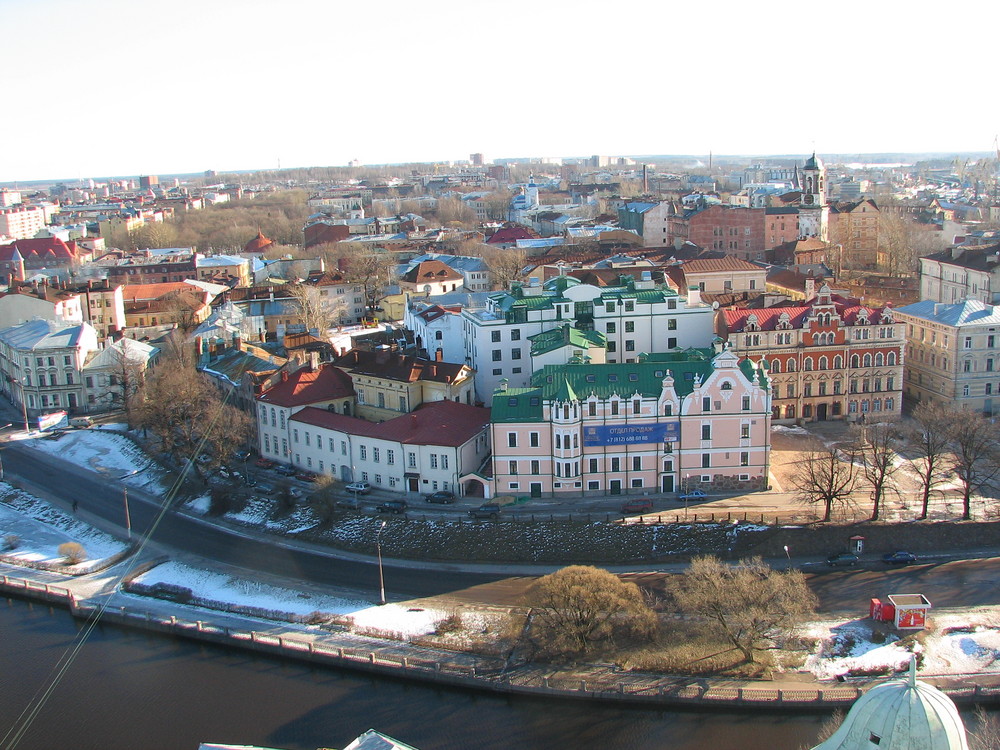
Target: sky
[(120, 87)]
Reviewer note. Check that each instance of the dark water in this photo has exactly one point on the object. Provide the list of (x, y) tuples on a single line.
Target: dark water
[(128, 690)]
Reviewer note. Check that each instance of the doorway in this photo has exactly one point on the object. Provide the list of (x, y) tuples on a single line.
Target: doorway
[(821, 412), (667, 483)]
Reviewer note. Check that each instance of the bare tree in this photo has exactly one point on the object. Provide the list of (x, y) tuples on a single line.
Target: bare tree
[(874, 451), (455, 212), (128, 373), (579, 607), (314, 312), (928, 435), (505, 265), (823, 478), (975, 445), (362, 264), (749, 603), (498, 205)]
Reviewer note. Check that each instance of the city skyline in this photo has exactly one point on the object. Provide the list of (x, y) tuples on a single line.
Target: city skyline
[(131, 89)]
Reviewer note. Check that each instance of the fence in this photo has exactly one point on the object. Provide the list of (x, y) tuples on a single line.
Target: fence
[(484, 674)]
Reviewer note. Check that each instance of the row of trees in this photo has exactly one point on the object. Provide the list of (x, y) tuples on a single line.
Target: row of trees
[(580, 608), (942, 444)]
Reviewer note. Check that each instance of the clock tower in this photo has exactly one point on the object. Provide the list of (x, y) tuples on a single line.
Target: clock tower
[(813, 210)]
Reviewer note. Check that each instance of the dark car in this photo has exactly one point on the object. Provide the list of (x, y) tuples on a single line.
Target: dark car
[(286, 471), (644, 505), (487, 510), (441, 496), (392, 506), (899, 557), (842, 558), (242, 454)]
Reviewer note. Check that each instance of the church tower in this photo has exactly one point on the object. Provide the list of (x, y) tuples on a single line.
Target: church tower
[(814, 212)]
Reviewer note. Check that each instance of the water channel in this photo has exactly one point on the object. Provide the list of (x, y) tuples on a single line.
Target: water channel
[(127, 689)]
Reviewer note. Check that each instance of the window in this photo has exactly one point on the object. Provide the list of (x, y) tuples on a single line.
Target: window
[(616, 464), (746, 403), (636, 463), (745, 431), (965, 390), (706, 460), (611, 327), (511, 439), (494, 336), (629, 306), (402, 403), (375, 454), (90, 384), (744, 458), (434, 462), (363, 452), (612, 346), (307, 438), (533, 439), (706, 432), (614, 408), (515, 334), (593, 466), (390, 457), (968, 342), (636, 406), (497, 355), (668, 410), (535, 467), (966, 366), (630, 345), (515, 353), (592, 409), (295, 436), (671, 324), (411, 460), (706, 403), (629, 326)]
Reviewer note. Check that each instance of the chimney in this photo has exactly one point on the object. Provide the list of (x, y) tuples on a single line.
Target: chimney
[(314, 361), (693, 296), (284, 375), (810, 289), (439, 356)]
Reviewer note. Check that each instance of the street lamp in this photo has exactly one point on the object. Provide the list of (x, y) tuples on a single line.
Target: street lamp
[(381, 578), (128, 519), (786, 553), (687, 492)]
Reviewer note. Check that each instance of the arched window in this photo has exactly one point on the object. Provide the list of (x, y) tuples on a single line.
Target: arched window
[(838, 363), (868, 360), (726, 386), (791, 365), (776, 366), (879, 359), (807, 363), (855, 360), (891, 359), (824, 363), (438, 335)]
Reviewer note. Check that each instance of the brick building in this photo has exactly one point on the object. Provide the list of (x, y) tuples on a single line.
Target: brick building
[(736, 231)]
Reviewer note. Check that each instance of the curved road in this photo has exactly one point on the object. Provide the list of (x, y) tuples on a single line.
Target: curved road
[(100, 496), (947, 583)]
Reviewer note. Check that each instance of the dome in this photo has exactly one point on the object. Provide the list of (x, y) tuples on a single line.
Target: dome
[(813, 162), (258, 244), (900, 715)]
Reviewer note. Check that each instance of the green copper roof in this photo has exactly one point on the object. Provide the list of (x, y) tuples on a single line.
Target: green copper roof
[(565, 335), (517, 405)]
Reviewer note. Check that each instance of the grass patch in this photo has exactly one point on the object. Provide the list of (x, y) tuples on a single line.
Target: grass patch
[(687, 649)]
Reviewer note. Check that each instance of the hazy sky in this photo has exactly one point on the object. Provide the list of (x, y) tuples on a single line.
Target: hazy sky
[(121, 87)]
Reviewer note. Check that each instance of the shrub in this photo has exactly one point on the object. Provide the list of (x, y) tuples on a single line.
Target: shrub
[(73, 552), (11, 542), (450, 624)]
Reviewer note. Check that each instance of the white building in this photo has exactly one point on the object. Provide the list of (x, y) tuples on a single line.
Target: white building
[(21, 222), (636, 318), (961, 273)]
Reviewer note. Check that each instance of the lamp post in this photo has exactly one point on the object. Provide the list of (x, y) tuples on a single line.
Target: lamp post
[(687, 491), (381, 578), (1, 457), (786, 553), (128, 520)]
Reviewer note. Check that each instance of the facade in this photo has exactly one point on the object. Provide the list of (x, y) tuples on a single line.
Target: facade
[(166, 269), (726, 275), (961, 273), (41, 364), (829, 358), (37, 253), (23, 303), (427, 450), (634, 318), (233, 267), (663, 423), (21, 221), (814, 213), (953, 354), (103, 306), (431, 277), (387, 384), (437, 329), (658, 224), (855, 227), (781, 224), (736, 231), (115, 372)]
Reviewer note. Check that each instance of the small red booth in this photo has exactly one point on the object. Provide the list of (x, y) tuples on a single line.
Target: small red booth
[(904, 611)]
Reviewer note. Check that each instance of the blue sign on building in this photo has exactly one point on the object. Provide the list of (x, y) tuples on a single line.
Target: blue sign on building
[(661, 432)]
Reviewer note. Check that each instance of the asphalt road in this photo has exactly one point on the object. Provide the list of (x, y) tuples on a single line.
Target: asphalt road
[(948, 583), (103, 497)]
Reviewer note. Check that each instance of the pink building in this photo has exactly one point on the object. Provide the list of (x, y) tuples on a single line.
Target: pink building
[(666, 422)]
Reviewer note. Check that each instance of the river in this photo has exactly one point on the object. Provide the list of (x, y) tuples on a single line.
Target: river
[(127, 690)]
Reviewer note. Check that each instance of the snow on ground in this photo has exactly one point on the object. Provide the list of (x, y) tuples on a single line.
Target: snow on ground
[(789, 430), (955, 643), (399, 619), (105, 452), (41, 528)]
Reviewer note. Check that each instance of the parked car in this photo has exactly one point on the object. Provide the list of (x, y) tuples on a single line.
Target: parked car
[(392, 506), (203, 459), (354, 503), (242, 454), (692, 495), (491, 511), (286, 471), (306, 476), (81, 422), (361, 488), (847, 559), (899, 557), (264, 463), (643, 505), (441, 496)]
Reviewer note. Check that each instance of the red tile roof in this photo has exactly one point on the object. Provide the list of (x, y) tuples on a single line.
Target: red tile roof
[(437, 423), (43, 248), (307, 386), (431, 271), (400, 367), (258, 244), (726, 263), (768, 317)]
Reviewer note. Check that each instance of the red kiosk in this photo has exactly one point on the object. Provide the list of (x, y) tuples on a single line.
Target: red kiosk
[(904, 611)]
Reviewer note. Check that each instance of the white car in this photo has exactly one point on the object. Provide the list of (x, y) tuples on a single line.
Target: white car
[(361, 488)]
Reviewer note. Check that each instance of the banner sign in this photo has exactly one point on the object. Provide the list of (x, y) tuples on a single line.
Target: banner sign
[(661, 432)]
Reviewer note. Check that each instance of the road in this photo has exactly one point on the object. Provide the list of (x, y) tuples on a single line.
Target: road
[(948, 583)]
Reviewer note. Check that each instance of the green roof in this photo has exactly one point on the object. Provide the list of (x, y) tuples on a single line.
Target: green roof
[(565, 335), (571, 381)]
